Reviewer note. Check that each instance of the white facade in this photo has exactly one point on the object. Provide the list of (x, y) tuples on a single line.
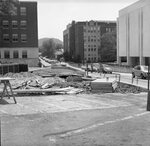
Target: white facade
[(134, 33)]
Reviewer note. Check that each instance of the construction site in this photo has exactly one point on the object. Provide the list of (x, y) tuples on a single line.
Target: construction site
[(60, 105)]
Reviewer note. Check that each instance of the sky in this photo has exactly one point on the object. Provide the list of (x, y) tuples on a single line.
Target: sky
[(55, 15)]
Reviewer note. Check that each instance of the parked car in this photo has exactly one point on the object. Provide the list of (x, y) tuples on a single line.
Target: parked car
[(140, 71), (105, 69)]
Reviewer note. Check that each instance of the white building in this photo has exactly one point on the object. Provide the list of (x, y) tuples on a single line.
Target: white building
[(133, 30)]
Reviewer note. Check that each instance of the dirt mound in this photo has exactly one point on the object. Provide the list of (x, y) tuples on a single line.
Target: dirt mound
[(126, 88)]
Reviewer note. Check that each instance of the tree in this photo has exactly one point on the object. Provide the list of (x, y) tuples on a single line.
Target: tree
[(8, 7), (66, 56), (48, 49), (108, 48), (58, 47)]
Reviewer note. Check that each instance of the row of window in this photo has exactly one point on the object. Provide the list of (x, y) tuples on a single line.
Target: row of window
[(15, 54), (91, 40), (92, 54), (14, 38), (90, 49), (85, 45), (91, 37), (91, 28), (23, 11), (94, 29), (14, 24), (91, 31), (90, 59)]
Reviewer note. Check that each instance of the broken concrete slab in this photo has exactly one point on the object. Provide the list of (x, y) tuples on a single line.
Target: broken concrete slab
[(106, 85)]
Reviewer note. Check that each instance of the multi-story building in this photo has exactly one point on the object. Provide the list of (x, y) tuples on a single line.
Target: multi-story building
[(19, 35), (82, 40), (134, 34)]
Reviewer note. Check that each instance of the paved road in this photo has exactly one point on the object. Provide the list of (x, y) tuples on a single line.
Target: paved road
[(124, 77), (76, 120)]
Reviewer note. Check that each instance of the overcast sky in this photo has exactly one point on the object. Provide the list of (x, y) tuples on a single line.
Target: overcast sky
[(55, 15)]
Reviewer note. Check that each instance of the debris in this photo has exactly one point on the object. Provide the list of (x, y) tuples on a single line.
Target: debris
[(68, 90), (74, 78)]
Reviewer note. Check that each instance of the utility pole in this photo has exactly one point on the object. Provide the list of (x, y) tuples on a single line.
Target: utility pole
[(148, 92), (0, 133)]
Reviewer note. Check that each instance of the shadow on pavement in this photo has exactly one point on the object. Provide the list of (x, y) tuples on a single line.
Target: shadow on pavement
[(2, 101)]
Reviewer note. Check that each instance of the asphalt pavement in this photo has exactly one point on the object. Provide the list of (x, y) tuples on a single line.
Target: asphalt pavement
[(76, 120)]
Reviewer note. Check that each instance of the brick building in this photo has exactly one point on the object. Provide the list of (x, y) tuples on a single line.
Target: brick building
[(82, 40), (19, 35)]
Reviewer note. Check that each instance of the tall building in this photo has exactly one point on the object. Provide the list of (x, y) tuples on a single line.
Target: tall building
[(134, 34), (19, 35), (82, 40)]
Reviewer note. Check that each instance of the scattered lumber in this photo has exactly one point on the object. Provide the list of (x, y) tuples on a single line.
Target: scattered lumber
[(68, 90)]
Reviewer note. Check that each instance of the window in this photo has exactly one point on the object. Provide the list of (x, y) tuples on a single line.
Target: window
[(23, 11), (24, 54), (23, 37), (14, 24), (16, 54), (15, 37), (14, 11), (6, 54), (5, 23), (6, 37), (23, 23)]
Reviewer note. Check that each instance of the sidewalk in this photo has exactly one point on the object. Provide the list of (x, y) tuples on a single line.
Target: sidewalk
[(124, 78)]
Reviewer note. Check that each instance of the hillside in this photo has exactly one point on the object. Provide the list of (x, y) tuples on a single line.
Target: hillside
[(57, 41)]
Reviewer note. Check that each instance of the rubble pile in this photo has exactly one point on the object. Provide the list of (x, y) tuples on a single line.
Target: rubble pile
[(47, 82), (59, 81), (126, 88)]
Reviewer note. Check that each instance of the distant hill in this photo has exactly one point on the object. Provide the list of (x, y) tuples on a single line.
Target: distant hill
[(57, 41)]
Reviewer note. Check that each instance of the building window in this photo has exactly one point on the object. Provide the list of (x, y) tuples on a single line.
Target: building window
[(23, 11), (14, 11), (16, 54), (23, 24), (6, 37), (14, 24), (15, 37), (24, 54), (6, 54), (23, 37), (5, 24)]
